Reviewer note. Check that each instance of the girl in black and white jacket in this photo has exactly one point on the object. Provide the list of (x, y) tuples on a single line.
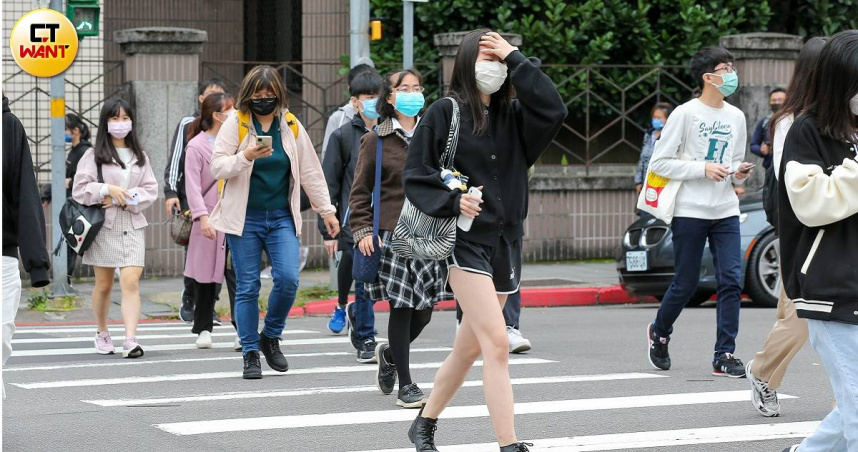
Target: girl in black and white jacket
[(818, 220)]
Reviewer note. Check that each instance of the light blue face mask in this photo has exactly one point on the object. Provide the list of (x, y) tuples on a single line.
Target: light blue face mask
[(410, 104), (369, 108), (729, 85), (657, 124), (68, 137)]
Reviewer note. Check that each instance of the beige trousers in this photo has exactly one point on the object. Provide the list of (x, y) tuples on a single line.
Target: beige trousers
[(785, 340)]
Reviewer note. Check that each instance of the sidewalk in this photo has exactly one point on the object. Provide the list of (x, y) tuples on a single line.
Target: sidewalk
[(546, 284)]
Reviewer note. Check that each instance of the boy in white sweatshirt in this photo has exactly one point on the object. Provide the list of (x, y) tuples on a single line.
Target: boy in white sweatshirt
[(703, 145)]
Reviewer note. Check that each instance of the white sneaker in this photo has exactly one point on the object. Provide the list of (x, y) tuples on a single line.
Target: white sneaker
[(204, 340), (265, 273), (517, 344), (305, 254), (237, 345), (765, 399)]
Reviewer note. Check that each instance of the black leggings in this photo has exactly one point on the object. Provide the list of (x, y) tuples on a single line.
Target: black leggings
[(404, 326), (204, 303), (344, 274)]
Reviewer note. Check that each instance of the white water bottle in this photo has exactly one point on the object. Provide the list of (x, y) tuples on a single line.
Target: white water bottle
[(464, 223)]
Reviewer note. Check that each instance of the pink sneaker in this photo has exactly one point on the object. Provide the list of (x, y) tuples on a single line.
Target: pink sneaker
[(131, 349), (103, 344)]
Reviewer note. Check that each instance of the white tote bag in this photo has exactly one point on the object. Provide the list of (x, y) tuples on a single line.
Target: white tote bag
[(658, 196)]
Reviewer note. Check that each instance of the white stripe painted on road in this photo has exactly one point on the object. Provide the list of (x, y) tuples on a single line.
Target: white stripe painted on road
[(61, 340), (173, 347), (458, 412), (219, 375), (358, 389), (236, 356), (182, 329), (93, 328), (646, 440)]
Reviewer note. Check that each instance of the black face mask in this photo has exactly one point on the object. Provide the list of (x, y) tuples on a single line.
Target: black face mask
[(264, 106), (775, 107)]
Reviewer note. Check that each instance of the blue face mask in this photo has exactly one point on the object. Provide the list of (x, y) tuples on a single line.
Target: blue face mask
[(68, 137), (657, 124), (369, 108), (409, 104), (729, 85)]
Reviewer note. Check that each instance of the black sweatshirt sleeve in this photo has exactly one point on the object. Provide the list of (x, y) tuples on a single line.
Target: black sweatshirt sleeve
[(539, 109), (333, 167), (31, 222), (175, 160), (422, 175)]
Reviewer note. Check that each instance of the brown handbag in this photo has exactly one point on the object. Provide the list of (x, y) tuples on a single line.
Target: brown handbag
[(180, 227)]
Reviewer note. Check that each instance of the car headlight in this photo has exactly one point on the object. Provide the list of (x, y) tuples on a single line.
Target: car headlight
[(743, 217)]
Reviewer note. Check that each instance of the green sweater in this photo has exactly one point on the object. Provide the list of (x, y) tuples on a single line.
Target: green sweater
[(269, 181)]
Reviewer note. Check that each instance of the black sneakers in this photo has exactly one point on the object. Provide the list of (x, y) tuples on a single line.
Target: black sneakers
[(385, 376), (658, 355), (517, 447), (270, 347), (187, 311), (350, 325), (252, 366), (422, 433), (728, 366), (411, 396), (366, 352)]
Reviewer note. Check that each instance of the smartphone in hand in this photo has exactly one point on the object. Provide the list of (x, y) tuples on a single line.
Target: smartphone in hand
[(262, 140)]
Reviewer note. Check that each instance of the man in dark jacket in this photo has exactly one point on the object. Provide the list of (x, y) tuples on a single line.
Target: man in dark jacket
[(339, 165), (174, 182), (22, 212)]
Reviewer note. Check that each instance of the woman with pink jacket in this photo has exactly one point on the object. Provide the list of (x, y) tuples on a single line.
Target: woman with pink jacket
[(260, 208), (206, 253), (128, 187)]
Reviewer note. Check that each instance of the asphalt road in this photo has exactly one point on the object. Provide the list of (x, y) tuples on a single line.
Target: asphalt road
[(586, 386)]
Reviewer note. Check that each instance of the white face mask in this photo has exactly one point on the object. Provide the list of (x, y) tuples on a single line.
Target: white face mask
[(853, 105), (490, 76)]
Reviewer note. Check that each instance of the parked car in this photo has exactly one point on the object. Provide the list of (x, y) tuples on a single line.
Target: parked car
[(646, 262)]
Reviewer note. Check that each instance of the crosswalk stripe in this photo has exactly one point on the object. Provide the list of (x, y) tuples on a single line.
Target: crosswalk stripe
[(236, 357), (458, 412), (173, 347), (140, 327), (651, 439), (62, 340), (359, 389), (220, 375)]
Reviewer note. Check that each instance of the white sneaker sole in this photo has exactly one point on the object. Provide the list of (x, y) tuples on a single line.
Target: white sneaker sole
[(521, 347), (418, 404), (204, 345)]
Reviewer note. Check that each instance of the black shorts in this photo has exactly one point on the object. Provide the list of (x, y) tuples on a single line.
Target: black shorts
[(501, 262)]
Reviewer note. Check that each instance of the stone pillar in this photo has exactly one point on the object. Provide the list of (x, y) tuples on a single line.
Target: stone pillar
[(448, 45), (162, 64), (765, 61)]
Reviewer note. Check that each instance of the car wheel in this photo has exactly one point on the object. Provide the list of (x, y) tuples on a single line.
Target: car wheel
[(763, 281)]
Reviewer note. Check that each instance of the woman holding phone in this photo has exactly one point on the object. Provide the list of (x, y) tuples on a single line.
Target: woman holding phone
[(264, 167), (127, 188)]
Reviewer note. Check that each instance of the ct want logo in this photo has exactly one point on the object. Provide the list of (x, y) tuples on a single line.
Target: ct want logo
[(44, 42)]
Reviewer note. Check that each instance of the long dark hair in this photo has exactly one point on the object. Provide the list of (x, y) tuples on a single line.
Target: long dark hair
[(105, 152), (463, 84), (835, 83), (213, 103), (392, 81), (800, 90), (75, 122)]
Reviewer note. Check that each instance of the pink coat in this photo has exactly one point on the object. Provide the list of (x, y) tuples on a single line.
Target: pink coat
[(87, 189), (206, 257)]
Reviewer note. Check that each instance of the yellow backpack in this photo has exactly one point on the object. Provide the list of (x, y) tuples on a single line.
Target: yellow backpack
[(244, 128)]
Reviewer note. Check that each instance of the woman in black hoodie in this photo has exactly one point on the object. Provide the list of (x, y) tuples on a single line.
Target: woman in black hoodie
[(499, 139), (818, 220)]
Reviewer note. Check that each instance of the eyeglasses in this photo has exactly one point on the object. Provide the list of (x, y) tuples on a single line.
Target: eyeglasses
[(409, 89), (729, 68)]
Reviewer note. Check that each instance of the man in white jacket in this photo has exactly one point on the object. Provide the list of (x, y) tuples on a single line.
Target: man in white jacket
[(703, 145)]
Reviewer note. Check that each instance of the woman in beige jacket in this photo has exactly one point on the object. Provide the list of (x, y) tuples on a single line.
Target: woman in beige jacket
[(260, 208)]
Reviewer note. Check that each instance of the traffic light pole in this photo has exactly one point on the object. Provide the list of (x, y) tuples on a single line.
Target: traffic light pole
[(407, 34), (60, 287)]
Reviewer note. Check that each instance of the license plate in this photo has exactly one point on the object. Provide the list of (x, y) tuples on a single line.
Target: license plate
[(636, 261)]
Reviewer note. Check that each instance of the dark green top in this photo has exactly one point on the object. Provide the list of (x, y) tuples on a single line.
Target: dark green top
[(269, 181)]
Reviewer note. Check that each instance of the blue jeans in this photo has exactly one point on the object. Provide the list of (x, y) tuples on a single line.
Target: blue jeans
[(689, 239), (274, 232), (837, 346), (364, 314)]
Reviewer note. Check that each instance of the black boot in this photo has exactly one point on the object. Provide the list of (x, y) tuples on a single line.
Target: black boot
[(422, 433), (270, 347), (516, 447), (252, 366)]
